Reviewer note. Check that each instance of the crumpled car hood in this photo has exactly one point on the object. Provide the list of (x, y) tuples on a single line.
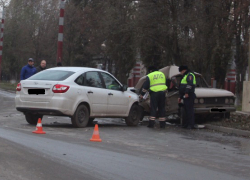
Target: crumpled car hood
[(169, 72), (212, 92)]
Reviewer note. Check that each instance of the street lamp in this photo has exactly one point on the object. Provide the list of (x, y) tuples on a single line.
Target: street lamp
[(249, 57), (103, 48)]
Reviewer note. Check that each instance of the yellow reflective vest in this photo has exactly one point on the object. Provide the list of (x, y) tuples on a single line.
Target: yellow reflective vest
[(157, 81), (184, 79)]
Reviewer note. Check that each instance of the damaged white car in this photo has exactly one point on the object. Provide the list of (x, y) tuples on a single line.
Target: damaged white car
[(209, 101)]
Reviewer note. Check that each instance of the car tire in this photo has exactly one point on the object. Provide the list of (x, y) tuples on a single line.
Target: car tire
[(81, 117), (32, 118), (134, 116)]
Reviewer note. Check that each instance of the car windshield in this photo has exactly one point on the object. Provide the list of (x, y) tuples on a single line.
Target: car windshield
[(200, 82), (52, 75), (175, 81)]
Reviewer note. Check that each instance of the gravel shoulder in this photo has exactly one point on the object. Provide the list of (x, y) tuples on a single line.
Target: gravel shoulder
[(238, 120)]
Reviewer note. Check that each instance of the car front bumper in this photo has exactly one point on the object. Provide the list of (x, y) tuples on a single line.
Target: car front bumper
[(214, 110)]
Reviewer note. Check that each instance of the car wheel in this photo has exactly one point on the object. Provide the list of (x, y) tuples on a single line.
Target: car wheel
[(134, 116), (81, 117), (32, 118)]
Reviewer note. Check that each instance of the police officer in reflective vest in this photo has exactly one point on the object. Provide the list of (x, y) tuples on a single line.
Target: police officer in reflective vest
[(156, 84), (187, 93)]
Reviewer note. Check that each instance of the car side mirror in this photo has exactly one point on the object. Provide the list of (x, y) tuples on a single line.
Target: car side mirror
[(124, 87)]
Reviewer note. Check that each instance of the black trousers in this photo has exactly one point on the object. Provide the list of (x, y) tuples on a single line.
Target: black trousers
[(157, 100), (189, 109)]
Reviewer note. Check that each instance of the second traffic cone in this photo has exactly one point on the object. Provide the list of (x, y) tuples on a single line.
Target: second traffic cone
[(39, 128), (96, 136)]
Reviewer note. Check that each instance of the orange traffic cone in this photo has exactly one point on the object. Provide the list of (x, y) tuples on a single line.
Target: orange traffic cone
[(39, 128), (96, 136)]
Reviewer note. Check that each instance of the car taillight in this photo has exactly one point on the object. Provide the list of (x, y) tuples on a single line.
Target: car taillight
[(18, 87), (59, 88)]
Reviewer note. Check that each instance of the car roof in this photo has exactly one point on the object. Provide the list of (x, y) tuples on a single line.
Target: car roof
[(173, 70), (75, 69)]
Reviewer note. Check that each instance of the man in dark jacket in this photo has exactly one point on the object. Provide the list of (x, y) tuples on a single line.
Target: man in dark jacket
[(28, 70), (41, 67), (186, 92)]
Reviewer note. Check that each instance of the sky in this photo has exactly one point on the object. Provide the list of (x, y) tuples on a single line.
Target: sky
[(1, 7)]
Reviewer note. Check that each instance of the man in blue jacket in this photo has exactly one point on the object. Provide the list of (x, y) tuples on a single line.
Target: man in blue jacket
[(28, 70)]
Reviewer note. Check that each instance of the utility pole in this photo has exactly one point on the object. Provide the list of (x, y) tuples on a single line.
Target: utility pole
[(1, 42), (60, 33), (246, 85), (249, 57)]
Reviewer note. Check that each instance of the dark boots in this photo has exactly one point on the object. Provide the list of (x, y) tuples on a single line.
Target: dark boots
[(151, 124), (162, 124)]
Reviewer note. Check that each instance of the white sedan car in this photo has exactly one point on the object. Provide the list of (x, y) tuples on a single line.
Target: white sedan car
[(79, 93)]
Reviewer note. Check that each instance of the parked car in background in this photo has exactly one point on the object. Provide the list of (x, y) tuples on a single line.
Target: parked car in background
[(79, 93), (209, 101)]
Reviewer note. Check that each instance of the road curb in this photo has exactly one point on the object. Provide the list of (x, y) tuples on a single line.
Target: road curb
[(10, 91), (242, 112), (228, 130)]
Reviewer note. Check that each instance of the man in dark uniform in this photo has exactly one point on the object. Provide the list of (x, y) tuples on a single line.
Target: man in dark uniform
[(187, 93), (156, 84)]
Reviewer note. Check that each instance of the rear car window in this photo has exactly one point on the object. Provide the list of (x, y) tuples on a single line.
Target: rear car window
[(80, 80), (52, 75)]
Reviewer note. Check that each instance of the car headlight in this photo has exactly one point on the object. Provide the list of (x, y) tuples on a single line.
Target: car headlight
[(226, 100), (196, 101), (201, 100)]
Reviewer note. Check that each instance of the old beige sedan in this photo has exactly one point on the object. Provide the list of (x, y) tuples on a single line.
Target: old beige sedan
[(209, 101)]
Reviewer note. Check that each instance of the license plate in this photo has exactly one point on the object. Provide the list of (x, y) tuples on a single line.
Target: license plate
[(217, 110), (36, 91)]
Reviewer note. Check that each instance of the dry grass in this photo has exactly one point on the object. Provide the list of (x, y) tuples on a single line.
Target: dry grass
[(8, 86)]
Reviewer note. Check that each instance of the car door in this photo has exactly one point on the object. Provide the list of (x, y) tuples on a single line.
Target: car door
[(118, 101), (96, 92)]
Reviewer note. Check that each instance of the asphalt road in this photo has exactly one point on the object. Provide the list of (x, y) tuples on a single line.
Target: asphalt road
[(126, 152)]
